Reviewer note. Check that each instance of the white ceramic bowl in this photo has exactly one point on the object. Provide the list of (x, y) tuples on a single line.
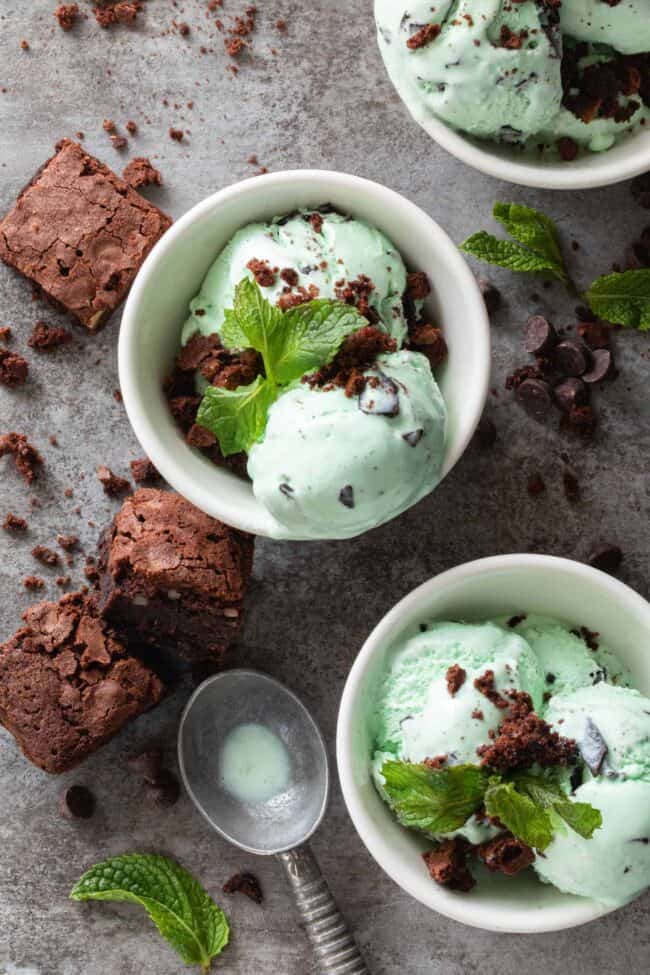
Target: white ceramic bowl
[(630, 157), (173, 272), (568, 591)]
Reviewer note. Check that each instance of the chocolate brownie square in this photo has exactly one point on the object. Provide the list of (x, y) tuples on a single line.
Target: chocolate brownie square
[(172, 580), (67, 684), (80, 233)]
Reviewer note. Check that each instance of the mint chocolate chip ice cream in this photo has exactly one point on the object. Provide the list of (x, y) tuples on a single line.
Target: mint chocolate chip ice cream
[(538, 74)]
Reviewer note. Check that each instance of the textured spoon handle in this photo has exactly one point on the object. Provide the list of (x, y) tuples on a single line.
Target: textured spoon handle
[(334, 945)]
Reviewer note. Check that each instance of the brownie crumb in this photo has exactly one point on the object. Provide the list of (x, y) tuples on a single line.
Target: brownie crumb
[(33, 583), (357, 353), (447, 864), (429, 340), (435, 763), (590, 637), (67, 14), (113, 485), (26, 457), (455, 678), (567, 148), (140, 172), (478, 715), (417, 285), (14, 369), (45, 555), (13, 523), (46, 336), (486, 686), (119, 142), (506, 854), (523, 740), (63, 582), (108, 125), (131, 127), (424, 36), (68, 542), (5, 333), (244, 883), (143, 471), (262, 272)]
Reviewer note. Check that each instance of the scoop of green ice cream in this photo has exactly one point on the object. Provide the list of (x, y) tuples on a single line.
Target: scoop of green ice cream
[(332, 466), (624, 25), (322, 254)]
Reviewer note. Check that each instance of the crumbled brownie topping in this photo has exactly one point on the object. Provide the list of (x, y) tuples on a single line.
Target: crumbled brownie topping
[(143, 471), (113, 485), (435, 763), (417, 285), (455, 678), (289, 276), (140, 172), (13, 523), (46, 336), (316, 221), (447, 864), (486, 686), (430, 341), (119, 142), (26, 457), (262, 272), (244, 883), (425, 35), (45, 555), (357, 293), (291, 299), (63, 581), (14, 369), (33, 583), (478, 715), (357, 353), (506, 854), (523, 740), (67, 14), (68, 542)]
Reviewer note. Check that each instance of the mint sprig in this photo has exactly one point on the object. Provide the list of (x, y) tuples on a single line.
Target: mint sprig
[(535, 249), (623, 299), (291, 344), (437, 801), (177, 903)]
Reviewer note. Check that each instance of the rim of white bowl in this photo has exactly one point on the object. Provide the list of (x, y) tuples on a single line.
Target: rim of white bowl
[(162, 456), (584, 910)]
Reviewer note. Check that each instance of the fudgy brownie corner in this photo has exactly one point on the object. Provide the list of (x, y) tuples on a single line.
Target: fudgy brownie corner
[(172, 580), (80, 234), (67, 684)]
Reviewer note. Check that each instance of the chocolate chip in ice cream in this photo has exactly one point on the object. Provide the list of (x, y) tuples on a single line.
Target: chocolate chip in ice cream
[(346, 496), (593, 747)]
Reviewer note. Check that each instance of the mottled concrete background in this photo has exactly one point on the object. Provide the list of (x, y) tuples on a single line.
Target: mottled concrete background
[(322, 100)]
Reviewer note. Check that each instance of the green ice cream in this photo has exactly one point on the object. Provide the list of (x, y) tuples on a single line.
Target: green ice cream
[(342, 249), (331, 466), (501, 71)]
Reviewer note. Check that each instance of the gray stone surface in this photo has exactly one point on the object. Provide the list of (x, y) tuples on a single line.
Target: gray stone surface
[(322, 101)]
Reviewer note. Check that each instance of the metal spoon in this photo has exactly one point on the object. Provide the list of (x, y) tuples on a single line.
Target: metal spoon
[(282, 824)]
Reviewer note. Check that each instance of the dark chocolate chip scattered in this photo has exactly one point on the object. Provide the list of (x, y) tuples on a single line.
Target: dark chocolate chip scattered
[(491, 295), (571, 358), (535, 396), (569, 393), (346, 496), (164, 791), (539, 335), (380, 398), (413, 437), (605, 557), (244, 883), (601, 366), (592, 747), (77, 802), (286, 489)]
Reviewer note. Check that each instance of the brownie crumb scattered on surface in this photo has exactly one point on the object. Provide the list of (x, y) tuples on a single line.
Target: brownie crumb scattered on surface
[(486, 686), (45, 555), (176, 135), (5, 333), (131, 127), (143, 471), (68, 542), (447, 864), (13, 523), (244, 883), (46, 336), (33, 583), (523, 740), (455, 678), (505, 854), (26, 457), (140, 172), (67, 14), (114, 486), (14, 369), (63, 581)]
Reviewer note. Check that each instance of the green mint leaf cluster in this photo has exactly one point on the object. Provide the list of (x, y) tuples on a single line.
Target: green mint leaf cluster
[(291, 344), (535, 249), (622, 298), (439, 801), (176, 903)]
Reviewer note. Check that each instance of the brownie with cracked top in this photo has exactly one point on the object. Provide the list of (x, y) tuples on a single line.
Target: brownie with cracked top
[(80, 234), (172, 580), (68, 685)]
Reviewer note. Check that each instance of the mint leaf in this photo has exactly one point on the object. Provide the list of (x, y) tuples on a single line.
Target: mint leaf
[(518, 813), (434, 800), (505, 253), (237, 417), (580, 816), (623, 299), (177, 904), (531, 228), (312, 335), (254, 323)]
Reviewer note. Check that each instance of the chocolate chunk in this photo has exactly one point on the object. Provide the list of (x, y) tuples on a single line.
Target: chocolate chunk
[(601, 366), (66, 14), (606, 557), (516, 620), (13, 523), (571, 358), (447, 864), (491, 295), (593, 747), (430, 341), (244, 883), (45, 555), (380, 396), (77, 802), (164, 791), (506, 854), (113, 485), (523, 739), (346, 496), (143, 471), (286, 489), (455, 678), (486, 432), (535, 396), (539, 335), (26, 457), (45, 337), (413, 437), (14, 369), (569, 393), (140, 172)]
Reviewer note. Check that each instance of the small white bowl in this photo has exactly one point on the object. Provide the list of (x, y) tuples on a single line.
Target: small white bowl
[(628, 158), (569, 591), (172, 275)]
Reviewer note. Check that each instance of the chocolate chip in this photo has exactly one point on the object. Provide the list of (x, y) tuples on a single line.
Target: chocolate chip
[(601, 366), (571, 358), (535, 396), (148, 764), (593, 747), (380, 397), (77, 802), (569, 393), (539, 335), (244, 883), (413, 437), (486, 432), (346, 496), (605, 557), (286, 489), (164, 791), (491, 295)]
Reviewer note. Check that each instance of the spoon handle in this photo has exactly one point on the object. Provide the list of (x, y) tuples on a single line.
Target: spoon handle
[(335, 947)]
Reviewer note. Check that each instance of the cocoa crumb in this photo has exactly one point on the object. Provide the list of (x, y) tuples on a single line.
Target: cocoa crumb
[(455, 678), (447, 864), (486, 686), (14, 369), (143, 471), (523, 740), (262, 272), (68, 542), (26, 457), (33, 583), (45, 555), (44, 336), (13, 523), (424, 36), (417, 285), (140, 172), (176, 134), (113, 485), (67, 14)]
